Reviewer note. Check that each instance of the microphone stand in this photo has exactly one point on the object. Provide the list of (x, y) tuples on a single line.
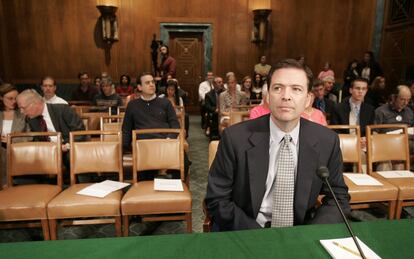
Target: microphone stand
[(344, 218)]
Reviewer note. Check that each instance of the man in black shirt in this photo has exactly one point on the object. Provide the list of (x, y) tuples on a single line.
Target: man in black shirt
[(148, 112)]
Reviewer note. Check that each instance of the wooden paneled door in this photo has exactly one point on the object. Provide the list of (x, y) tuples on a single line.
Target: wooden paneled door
[(187, 48)]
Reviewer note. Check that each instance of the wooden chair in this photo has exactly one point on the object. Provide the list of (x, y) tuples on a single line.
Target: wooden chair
[(181, 118), (239, 116), (212, 150), (88, 157), (111, 123), (391, 147), (141, 199), (25, 204), (363, 197)]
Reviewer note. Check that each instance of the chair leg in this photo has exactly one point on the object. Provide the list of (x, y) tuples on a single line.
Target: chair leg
[(399, 209), (125, 221), (118, 226), (391, 209), (45, 229), (189, 223), (53, 229)]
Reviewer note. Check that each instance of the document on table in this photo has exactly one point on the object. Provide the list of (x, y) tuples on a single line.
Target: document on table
[(102, 189), (410, 131), (363, 179), (345, 248), (396, 174), (174, 185)]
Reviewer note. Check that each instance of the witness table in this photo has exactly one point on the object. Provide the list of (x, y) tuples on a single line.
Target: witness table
[(389, 239)]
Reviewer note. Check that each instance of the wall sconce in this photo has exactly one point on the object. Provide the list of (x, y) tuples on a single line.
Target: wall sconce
[(109, 23), (261, 11), (260, 25)]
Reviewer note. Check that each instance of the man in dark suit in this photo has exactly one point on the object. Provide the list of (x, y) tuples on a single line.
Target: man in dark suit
[(354, 110), (322, 102), (211, 105), (247, 180), (49, 117)]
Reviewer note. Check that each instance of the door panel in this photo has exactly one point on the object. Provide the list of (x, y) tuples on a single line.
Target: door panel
[(187, 49)]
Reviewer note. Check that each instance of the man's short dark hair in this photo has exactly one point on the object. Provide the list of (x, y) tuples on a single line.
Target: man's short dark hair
[(46, 78), (81, 74), (359, 79), (317, 82), (144, 74), (292, 63)]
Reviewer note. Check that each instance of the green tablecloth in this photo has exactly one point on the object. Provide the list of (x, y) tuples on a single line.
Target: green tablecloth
[(389, 239)]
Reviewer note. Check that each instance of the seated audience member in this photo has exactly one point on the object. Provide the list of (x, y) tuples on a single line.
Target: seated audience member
[(85, 91), (49, 91), (354, 110), (229, 99), (97, 82), (313, 114), (376, 94), (411, 105), (204, 87), (11, 121), (327, 71), (135, 95), (43, 117), (397, 112), (149, 112), (246, 86), (107, 98), (261, 109), (212, 108), (238, 87), (328, 83), (262, 68), (321, 102), (350, 74), (265, 170), (257, 88), (172, 95), (124, 88), (369, 68)]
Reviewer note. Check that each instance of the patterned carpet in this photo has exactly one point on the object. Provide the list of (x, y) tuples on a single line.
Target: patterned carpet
[(198, 155)]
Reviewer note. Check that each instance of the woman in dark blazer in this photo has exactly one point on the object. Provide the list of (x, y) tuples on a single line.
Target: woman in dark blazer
[(11, 120)]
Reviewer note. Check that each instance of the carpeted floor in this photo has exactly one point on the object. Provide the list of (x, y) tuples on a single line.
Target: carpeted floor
[(198, 155)]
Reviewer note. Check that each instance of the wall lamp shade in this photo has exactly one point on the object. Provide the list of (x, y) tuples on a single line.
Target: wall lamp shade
[(260, 25), (108, 20)]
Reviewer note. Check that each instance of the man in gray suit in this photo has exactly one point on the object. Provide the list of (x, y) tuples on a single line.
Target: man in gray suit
[(243, 185)]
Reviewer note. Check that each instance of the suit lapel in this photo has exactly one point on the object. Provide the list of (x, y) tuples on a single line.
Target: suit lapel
[(53, 117), (307, 165), (258, 164)]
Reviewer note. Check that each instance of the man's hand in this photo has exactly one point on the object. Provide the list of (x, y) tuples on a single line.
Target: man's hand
[(65, 147)]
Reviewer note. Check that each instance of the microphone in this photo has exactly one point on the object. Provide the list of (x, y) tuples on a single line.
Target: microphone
[(323, 173)]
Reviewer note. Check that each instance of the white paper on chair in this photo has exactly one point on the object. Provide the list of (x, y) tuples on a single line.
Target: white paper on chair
[(102, 189), (363, 179), (410, 131), (345, 248), (174, 185), (396, 174)]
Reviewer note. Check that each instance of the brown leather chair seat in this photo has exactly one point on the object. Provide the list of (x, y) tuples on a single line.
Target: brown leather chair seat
[(141, 197), (26, 202), (405, 186), (358, 193), (69, 204)]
